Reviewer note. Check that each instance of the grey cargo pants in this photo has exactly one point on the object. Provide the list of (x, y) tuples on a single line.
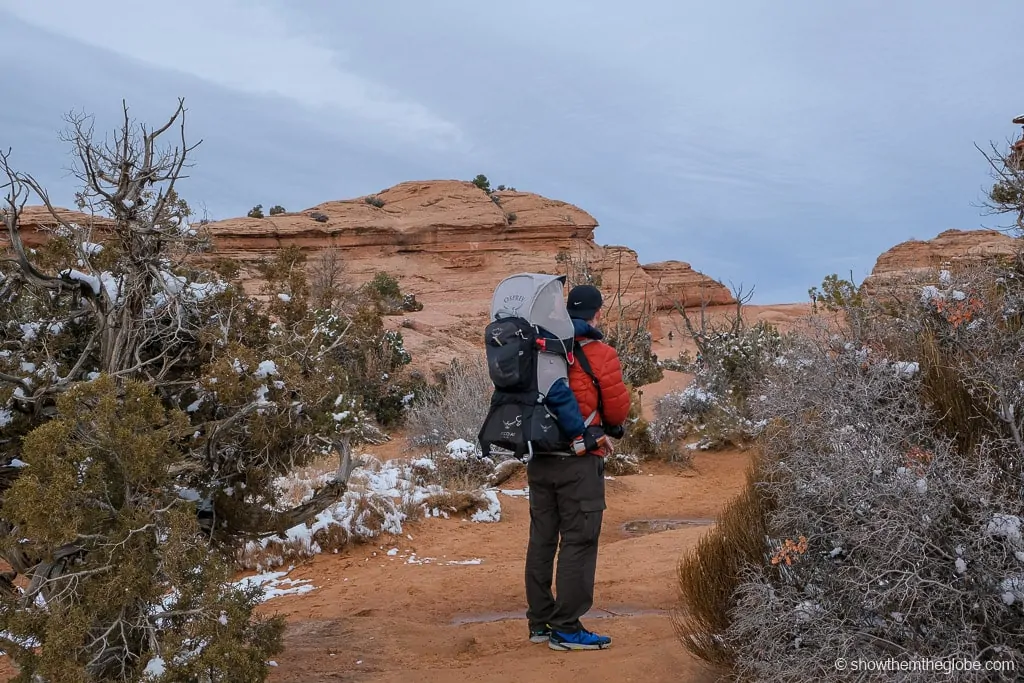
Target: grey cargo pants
[(566, 501)]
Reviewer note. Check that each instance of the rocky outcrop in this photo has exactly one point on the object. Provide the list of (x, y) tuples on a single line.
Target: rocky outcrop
[(677, 283), (918, 262), (413, 217), (37, 224)]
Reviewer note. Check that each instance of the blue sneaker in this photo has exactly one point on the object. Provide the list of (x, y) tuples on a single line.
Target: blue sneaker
[(580, 640), (540, 634)]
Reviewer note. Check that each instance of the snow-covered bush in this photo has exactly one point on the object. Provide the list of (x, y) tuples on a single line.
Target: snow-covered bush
[(621, 464), (382, 497), (147, 407), (714, 407), (462, 467), (888, 495)]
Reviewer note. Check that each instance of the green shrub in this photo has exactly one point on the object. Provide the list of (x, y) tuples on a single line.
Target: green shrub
[(482, 182), (256, 211)]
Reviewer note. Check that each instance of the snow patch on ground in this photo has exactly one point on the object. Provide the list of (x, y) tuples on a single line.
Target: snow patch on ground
[(493, 511), (276, 584)]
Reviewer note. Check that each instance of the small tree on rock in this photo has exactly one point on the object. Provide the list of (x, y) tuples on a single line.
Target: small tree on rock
[(483, 183)]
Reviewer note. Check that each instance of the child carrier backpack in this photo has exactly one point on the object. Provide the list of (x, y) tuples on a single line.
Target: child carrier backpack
[(527, 341)]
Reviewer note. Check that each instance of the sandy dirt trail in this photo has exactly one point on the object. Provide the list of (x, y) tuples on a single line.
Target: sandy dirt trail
[(376, 617)]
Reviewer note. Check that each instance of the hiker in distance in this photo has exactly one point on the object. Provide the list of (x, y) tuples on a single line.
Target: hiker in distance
[(567, 490)]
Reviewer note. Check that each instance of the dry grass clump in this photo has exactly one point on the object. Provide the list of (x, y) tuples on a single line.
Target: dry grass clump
[(452, 409), (710, 573)]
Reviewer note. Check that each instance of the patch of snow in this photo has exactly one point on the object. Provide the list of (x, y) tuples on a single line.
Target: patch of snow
[(945, 278), (961, 565), (78, 276), (1005, 526), (154, 669), (906, 368), (29, 331), (931, 293), (275, 585), (111, 285), (261, 395), (91, 248), (19, 463), (957, 295), (190, 495), (6, 417), (28, 367), (922, 486), (284, 297), (460, 449), (194, 405), (266, 368), (393, 552), (521, 493), (1012, 589), (473, 561), (223, 619), (493, 511)]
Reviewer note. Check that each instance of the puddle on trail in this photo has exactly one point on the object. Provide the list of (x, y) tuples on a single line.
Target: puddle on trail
[(596, 613), (642, 527)]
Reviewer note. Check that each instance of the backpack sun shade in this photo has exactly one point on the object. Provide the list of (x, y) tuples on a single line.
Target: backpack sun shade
[(528, 339)]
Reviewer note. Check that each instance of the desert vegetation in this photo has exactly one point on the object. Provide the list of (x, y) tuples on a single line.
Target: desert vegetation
[(882, 516), (150, 412)]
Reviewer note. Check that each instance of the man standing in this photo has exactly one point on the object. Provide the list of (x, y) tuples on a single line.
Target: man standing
[(567, 499)]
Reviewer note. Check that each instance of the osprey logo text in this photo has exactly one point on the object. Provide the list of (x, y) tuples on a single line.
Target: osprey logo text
[(513, 302), (518, 422)]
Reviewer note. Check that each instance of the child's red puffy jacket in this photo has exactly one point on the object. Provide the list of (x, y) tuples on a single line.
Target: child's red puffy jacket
[(604, 362)]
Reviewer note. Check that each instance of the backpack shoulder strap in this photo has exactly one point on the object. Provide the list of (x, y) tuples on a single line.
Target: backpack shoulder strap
[(584, 362)]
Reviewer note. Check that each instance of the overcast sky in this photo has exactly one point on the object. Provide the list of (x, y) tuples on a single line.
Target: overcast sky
[(768, 143)]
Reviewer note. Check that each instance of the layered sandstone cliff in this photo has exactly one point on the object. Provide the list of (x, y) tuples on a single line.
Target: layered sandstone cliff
[(424, 232), (918, 262), (450, 244), (37, 224)]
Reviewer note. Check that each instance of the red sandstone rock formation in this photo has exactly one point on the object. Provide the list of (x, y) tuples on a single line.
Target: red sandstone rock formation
[(918, 262)]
